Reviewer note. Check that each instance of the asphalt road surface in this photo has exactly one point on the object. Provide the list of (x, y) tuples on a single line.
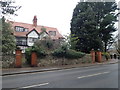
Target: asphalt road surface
[(101, 76)]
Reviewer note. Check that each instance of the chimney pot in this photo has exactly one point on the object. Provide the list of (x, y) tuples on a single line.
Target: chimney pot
[(35, 21)]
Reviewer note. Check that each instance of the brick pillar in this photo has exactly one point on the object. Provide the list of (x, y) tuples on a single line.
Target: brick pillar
[(93, 55), (18, 59), (99, 56), (33, 59)]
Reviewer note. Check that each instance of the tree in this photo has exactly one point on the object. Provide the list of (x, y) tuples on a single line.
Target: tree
[(93, 23), (107, 23), (115, 39), (118, 47), (83, 26), (70, 41), (8, 39), (7, 7)]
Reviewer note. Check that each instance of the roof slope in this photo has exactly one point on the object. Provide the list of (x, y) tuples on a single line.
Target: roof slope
[(37, 28)]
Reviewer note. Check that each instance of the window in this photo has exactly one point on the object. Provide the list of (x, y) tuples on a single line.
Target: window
[(21, 41), (52, 33), (31, 40), (26, 30), (20, 29), (34, 39)]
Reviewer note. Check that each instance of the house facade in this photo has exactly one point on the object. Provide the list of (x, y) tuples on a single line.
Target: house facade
[(26, 34), (32, 36)]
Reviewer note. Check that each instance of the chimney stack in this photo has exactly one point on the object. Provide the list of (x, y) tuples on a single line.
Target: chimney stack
[(35, 21)]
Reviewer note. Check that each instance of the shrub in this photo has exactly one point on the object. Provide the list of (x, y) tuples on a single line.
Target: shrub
[(39, 51), (46, 44), (8, 61), (74, 54), (28, 52), (89, 61), (84, 61), (59, 53), (67, 53), (106, 55)]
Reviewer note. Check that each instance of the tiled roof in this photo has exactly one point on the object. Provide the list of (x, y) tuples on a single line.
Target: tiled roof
[(37, 28)]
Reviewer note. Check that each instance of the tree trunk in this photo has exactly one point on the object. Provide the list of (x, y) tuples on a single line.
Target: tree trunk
[(105, 47)]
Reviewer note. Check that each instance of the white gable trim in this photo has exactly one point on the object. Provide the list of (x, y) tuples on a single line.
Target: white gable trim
[(33, 34), (32, 37)]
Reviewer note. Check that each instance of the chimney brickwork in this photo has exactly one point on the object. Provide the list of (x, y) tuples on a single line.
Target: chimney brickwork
[(35, 21)]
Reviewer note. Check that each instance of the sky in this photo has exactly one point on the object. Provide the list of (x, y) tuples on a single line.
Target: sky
[(51, 13)]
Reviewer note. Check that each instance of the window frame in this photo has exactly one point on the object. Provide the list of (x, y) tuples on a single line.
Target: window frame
[(52, 33), (20, 29)]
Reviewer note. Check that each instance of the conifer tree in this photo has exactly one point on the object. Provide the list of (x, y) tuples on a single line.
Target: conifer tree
[(93, 23)]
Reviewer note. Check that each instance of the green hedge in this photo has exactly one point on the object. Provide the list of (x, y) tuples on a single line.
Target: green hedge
[(74, 54), (67, 53)]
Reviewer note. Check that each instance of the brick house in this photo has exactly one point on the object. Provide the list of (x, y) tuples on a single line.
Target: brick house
[(26, 34)]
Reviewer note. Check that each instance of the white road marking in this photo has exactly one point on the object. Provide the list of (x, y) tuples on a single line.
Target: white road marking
[(92, 75), (35, 85)]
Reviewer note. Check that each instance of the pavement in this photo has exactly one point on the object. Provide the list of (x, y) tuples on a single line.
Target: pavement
[(12, 71)]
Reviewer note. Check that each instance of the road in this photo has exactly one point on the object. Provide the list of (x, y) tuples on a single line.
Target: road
[(101, 76)]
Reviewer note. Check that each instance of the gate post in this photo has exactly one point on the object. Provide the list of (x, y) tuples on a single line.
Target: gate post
[(18, 58), (93, 55), (99, 56), (33, 59)]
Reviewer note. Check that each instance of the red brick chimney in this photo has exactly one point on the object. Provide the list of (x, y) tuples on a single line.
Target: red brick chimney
[(35, 21)]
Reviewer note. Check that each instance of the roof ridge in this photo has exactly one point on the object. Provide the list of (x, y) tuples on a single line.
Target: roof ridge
[(20, 22), (32, 24), (48, 27)]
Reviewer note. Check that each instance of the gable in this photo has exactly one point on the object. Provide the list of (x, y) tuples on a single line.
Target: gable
[(43, 35), (33, 33)]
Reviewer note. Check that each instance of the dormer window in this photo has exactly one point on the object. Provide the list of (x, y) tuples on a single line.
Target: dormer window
[(26, 30), (52, 33), (20, 29)]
